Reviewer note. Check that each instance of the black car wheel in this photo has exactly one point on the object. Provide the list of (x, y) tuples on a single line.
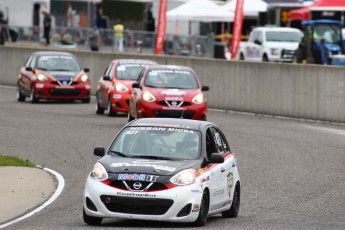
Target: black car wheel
[(33, 97), (91, 220), (235, 206), (86, 100), (203, 212), (20, 96), (265, 58), (99, 110), (110, 111)]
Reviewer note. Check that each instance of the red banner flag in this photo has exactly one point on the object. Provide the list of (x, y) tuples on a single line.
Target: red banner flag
[(237, 30), (161, 26)]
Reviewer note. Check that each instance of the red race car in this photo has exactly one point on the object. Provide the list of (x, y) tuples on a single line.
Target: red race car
[(115, 85), (168, 91), (53, 75)]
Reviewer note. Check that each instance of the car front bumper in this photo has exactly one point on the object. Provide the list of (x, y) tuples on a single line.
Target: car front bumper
[(153, 109), (47, 90), (170, 203)]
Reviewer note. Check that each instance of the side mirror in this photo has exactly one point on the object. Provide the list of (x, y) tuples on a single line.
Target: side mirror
[(86, 70), (28, 68), (216, 158), (99, 151), (136, 85), (106, 78), (205, 88), (256, 41)]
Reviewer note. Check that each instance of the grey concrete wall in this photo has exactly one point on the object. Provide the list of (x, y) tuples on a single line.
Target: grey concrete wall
[(304, 91)]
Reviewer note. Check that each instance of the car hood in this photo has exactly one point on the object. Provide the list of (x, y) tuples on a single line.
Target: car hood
[(174, 94), (63, 75), (114, 164), (283, 45)]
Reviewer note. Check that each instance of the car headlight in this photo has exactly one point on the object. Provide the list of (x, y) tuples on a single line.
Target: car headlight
[(198, 99), (121, 88), (147, 96), (84, 78), (184, 177), (99, 172), (42, 77), (274, 51)]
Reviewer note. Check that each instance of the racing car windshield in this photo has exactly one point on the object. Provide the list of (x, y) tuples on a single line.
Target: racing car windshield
[(158, 143), (166, 78), (129, 71), (58, 63)]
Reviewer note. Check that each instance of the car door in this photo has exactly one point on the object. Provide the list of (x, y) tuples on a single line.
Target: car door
[(257, 46), (106, 84), (26, 76), (221, 172)]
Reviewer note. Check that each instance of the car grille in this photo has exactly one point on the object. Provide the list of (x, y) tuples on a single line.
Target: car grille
[(174, 113), (65, 92), (171, 103), (133, 205), (287, 54), (122, 185)]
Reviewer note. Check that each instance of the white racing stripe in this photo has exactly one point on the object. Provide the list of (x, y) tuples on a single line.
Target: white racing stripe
[(61, 185)]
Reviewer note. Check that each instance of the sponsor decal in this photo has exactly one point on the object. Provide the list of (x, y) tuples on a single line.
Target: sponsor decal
[(136, 194), (137, 177), (163, 125), (196, 191), (159, 167), (176, 92), (218, 193), (230, 180), (56, 73), (172, 98), (205, 179), (179, 130)]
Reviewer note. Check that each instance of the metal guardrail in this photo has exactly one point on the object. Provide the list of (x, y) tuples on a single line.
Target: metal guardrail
[(134, 41)]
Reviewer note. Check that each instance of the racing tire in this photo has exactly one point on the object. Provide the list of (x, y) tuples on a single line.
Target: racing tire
[(110, 111), (20, 96), (86, 100), (99, 110), (241, 57), (235, 206), (91, 220), (33, 97), (265, 58), (203, 212)]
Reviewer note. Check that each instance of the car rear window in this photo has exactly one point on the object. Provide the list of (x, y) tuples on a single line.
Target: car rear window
[(166, 78), (165, 142)]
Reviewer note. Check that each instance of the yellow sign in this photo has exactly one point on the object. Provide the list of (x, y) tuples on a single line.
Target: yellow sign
[(285, 16)]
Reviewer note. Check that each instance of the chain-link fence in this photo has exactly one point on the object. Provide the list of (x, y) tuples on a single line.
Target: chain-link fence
[(134, 41)]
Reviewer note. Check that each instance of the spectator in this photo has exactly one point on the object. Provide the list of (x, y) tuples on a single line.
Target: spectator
[(46, 26), (94, 39), (118, 36)]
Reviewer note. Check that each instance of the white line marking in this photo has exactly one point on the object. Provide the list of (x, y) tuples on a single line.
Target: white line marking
[(61, 185)]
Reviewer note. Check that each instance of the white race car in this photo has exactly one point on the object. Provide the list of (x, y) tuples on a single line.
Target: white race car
[(164, 169)]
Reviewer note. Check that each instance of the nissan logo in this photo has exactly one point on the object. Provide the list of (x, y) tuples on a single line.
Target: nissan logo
[(137, 185)]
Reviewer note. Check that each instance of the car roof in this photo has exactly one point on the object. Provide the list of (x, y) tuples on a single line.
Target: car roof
[(171, 123), (171, 67), (135, 61), (42, 53)]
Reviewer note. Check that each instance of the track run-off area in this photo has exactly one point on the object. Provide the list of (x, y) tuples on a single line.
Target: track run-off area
[(292, 171)]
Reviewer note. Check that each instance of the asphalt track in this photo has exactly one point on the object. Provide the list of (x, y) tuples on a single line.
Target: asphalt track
[(292, 172)]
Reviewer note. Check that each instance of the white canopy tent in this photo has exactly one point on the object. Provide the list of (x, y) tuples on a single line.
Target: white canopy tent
[(200, 11), (251, 7)]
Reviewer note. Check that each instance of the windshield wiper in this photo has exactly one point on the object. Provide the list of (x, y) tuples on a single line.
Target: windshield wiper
[(152, 86), (41, 68), (154, 157), (118, 153)]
